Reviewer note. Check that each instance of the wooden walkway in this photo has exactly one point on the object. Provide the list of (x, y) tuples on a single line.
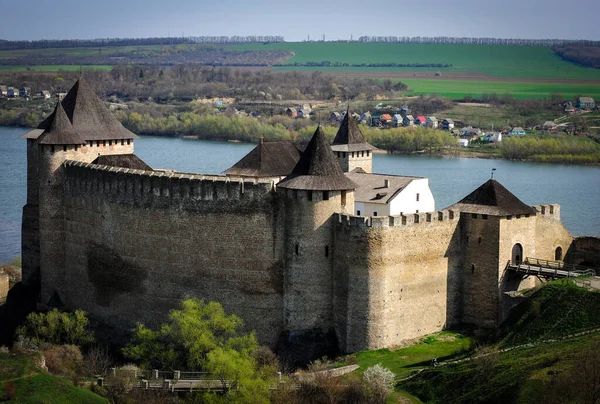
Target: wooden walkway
[(550, 269)]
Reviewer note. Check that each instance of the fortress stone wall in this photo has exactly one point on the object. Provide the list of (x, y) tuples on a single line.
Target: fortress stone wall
[(137, 243), (396, 277)]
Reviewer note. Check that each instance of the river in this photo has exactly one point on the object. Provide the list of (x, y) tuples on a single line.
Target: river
[(575, 188)]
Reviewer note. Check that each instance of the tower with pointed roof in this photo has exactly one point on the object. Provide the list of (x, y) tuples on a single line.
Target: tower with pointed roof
[(315, 190), (351, 148), (81, 128), (495, 227)]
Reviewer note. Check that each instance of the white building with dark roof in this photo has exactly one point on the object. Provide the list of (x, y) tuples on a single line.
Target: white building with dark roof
[(390, 195)]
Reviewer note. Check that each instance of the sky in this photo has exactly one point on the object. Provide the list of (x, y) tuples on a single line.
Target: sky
[(296, 20)]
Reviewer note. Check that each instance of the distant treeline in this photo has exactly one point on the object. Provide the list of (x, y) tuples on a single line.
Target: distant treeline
[(588, 56), (476, 41), (327, 63), (100, 42), (552, 150)]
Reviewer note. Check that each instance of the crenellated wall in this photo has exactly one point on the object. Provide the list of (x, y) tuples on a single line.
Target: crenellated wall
[(396, 277), (137, 242)]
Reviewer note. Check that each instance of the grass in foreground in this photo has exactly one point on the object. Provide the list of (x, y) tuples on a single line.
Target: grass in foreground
[(406, 360), (31, 385)]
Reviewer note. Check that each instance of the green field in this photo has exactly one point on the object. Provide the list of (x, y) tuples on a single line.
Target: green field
[(74, 52), (495, 60), (55, 68), (522, 90)]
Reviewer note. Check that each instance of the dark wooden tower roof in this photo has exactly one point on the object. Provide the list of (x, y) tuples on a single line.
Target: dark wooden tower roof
[(491, 198), (349, 138), (268, 159), (89, 116), (317, 168), (60, 132)]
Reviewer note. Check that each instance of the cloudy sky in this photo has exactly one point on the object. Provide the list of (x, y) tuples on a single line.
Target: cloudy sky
[(295, 20)]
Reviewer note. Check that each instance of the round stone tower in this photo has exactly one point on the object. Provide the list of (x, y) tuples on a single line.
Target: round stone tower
[(315, 190)]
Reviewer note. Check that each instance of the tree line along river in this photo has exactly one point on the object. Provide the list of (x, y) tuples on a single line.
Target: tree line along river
[(575, 188)]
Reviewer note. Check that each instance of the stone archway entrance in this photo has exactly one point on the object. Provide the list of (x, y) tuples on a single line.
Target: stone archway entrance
[(558, 254), (517, 254)]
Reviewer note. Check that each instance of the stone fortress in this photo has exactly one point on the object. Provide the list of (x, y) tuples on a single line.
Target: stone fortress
[(295, 242)]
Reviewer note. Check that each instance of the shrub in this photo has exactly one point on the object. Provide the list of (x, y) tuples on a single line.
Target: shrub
[(97, 361), (56, 328), (63, 360), (9, 391), (380, 382)]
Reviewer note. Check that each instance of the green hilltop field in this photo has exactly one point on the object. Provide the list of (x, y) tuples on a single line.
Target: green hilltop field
[(495, 60)]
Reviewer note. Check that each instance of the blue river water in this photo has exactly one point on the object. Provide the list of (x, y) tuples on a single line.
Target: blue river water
[(576, 188)]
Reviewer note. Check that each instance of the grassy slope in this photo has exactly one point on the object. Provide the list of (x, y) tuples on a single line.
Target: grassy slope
[(496, 60), (35, 386), (521, 375)]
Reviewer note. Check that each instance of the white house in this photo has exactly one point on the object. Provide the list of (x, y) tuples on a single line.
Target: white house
[(463, 142), (397, 120), (431, 122), (390, 195)]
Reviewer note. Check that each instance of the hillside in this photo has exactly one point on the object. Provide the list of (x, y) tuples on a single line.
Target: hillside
[(23, 382), (558, 365)]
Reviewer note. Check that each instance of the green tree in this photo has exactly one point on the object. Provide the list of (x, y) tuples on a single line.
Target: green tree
[(200, 336), (57, 328)]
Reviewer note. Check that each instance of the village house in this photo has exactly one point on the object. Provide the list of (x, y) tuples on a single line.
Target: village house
[(335, 116), (303, 113), (431, 122), (3, 91), (408, 120), (25, 92), (447, 124), (385, 119), (463, 142), (420, 120), (493, 137), (586, 103), (517, 131), (291, 112), (404, 111), (61, 95), (365, 118), (12, 92), (549, 125), (45, 94), (397, 120)]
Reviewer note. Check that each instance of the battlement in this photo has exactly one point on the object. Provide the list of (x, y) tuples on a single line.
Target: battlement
[(408, 220), (550, 210), (140, 187)]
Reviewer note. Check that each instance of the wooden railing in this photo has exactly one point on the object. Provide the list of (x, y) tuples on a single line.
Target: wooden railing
[(553, 269)]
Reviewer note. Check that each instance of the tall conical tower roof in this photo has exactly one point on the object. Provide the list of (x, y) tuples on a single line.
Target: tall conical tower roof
[(349, 138), (60, 131), (89, 116), (491, 198), (317, 168)]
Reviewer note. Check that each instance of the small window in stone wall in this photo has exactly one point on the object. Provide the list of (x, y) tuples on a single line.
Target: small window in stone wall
[(327, 251), (128, 141), (104, 143), (509, 217), (295, 191), (343, 197), (551, 209), (367, 153), (297, 249), (558, 254), (358, 213), (518, 216), (374, 213), (527, 215), (472, 268), (65, 148), (479, 240), (122, 142), (110, 142), (325, 195), (309, 195), (417, 197), (52, 148), (474, 215), (484, 217)]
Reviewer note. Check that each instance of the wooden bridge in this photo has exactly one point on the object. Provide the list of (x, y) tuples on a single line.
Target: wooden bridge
[(550, 269)]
